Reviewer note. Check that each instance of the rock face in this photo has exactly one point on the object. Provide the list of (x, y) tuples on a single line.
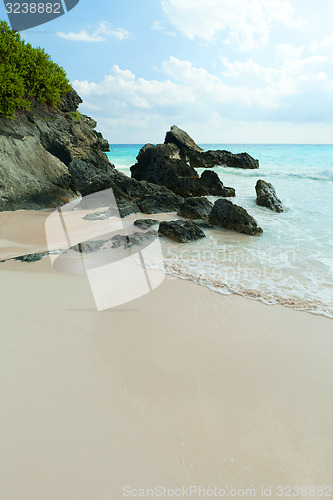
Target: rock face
[(198, 158), (195, 208), (214, 186), (226, 214), (181, 231), (266, 196), (48, 156), (35, 150)]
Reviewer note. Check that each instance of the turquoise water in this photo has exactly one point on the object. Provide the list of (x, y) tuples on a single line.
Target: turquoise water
[(292, 262)]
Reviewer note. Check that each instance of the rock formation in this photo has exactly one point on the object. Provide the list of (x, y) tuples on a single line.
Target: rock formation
[(48, 156), (226, 214), (181, 231), (162, 165), (198, 158), (266, 196), (214, 186), (195, 208)]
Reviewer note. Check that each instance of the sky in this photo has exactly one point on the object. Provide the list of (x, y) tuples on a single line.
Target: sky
[(226, 71)]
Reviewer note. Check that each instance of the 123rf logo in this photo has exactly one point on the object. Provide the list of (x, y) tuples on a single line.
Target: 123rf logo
[(23, 14)]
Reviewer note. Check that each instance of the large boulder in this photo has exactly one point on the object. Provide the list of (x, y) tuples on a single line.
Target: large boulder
[(266, 196), (227, 215), (162, 165), (198, 158), (195, 208), (214, 186), (181, 231), (132, 196), (181, 139), (166, 165), (221, 158)]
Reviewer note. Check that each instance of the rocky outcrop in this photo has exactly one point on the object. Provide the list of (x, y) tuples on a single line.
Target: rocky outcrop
[(198, 158), (266, 196), (49, 156), (162, 165), (181, 231), (229, 216), (36, 149), (211, 182), (195, 208), (182, 140), (221, 158)]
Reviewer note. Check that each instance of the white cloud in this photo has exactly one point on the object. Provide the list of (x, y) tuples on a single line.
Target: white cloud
[(157, 26), (192, 96), (100, 34), (247, 23), (323, 44)]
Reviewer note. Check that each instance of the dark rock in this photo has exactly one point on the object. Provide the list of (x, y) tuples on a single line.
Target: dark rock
[(195, 208), (130, 240), (181, 231), (266, 196), (70, 102), (162, 165), (87, 247), (116, 241), (145, 223), (181, 139), (210, 159), (131, 195), (35, 150), (103, 143), (198, 158), (32, 257), (88, 178), (230, 216), (157, 203), (214, 186), (203, 223)]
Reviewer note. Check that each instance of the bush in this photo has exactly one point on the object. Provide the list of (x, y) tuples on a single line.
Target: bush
[(27, 74)]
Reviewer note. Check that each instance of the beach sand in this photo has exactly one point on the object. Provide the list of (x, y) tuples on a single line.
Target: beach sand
[(180, 387)]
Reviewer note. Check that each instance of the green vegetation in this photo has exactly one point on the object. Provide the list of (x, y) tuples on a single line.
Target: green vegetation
[(27, 74), (75, 115)]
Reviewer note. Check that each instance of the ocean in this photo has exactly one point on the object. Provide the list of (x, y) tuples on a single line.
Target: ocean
[(292, 262)]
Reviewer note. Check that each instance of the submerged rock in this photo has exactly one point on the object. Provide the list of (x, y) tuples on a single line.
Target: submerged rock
[(214, 186), (195, 208), (181, 231), (266, 196), (226, 214)]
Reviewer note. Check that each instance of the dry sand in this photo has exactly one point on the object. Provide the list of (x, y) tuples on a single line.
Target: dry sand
[(180, 387)]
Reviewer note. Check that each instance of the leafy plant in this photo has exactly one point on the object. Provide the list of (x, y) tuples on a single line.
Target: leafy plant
[(27, 74)]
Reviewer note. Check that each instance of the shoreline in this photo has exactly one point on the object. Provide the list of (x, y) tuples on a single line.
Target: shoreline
[(227, 393), (15, 242)]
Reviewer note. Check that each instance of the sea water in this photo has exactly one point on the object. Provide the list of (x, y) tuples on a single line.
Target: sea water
[(292, 262)]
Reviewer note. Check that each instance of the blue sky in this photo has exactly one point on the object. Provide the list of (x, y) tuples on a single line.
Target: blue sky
[(227, 71)]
